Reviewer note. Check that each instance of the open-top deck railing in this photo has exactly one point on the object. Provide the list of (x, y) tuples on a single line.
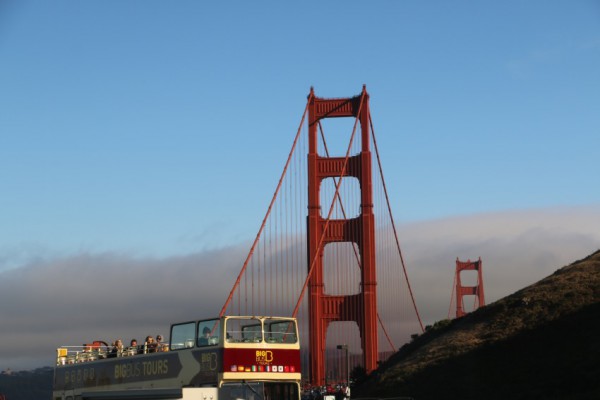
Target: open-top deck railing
[(67, 355)]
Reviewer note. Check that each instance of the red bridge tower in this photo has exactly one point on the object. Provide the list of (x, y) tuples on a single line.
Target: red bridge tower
[(461, 290), (360, 307)]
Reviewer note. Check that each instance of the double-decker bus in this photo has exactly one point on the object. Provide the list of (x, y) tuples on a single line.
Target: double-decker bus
[(227, 358)]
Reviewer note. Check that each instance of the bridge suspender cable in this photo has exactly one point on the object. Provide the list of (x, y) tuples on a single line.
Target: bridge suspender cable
[(356, 256), (393, 223), (258, 235), (335, 196)]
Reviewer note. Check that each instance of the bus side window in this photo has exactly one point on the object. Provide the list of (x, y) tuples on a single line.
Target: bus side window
[(182, 336), (208, 333)]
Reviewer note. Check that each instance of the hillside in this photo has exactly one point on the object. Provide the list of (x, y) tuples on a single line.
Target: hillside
[(27, 385), (540, 342)]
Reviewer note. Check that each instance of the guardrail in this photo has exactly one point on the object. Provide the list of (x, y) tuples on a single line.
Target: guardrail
[(66, 355)]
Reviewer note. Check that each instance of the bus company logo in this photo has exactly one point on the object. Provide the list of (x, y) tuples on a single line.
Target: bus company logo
[(208, 361), (139, 369), (264, 357)]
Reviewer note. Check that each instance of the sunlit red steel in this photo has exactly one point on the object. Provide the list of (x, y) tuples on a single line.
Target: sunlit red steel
[(360, 307), (462, 291)]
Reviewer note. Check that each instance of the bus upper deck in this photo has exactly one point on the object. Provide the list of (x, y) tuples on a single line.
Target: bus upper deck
[(227, 353)]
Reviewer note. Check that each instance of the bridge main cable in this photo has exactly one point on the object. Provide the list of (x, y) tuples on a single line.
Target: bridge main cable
[(264, 222)]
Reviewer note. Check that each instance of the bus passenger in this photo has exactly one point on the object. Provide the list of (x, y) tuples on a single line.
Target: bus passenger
[(117, 349), (203, 341), (150, 345), (133, 348)]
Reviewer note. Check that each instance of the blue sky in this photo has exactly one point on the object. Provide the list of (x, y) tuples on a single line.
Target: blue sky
[(139, 125), (153, 130)]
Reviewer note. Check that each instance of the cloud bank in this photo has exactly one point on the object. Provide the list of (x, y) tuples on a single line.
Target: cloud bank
[(83, 297), (517, 249)]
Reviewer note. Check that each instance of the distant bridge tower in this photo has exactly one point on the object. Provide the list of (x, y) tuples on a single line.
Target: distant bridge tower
[(360, 307), (461, 290)]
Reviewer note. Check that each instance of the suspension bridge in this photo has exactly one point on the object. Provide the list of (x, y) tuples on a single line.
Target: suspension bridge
[(327, 251)]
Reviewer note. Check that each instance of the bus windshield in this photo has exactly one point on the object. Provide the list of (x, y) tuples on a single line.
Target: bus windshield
[(260, 391), (252, 330), (280, 331)]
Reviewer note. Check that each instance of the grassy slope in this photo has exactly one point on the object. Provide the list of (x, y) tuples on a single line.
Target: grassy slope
[(541, 342)]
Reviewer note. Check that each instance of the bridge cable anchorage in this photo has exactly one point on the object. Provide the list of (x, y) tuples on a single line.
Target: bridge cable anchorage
[(394, 224), (258, 235), (336, 195)]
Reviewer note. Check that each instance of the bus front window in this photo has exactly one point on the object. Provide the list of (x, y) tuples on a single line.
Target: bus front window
[(280, 331), (242, 391), (243, 330), (260, 391)]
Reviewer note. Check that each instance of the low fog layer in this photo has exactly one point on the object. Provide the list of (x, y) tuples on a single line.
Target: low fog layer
[(86, 296)]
